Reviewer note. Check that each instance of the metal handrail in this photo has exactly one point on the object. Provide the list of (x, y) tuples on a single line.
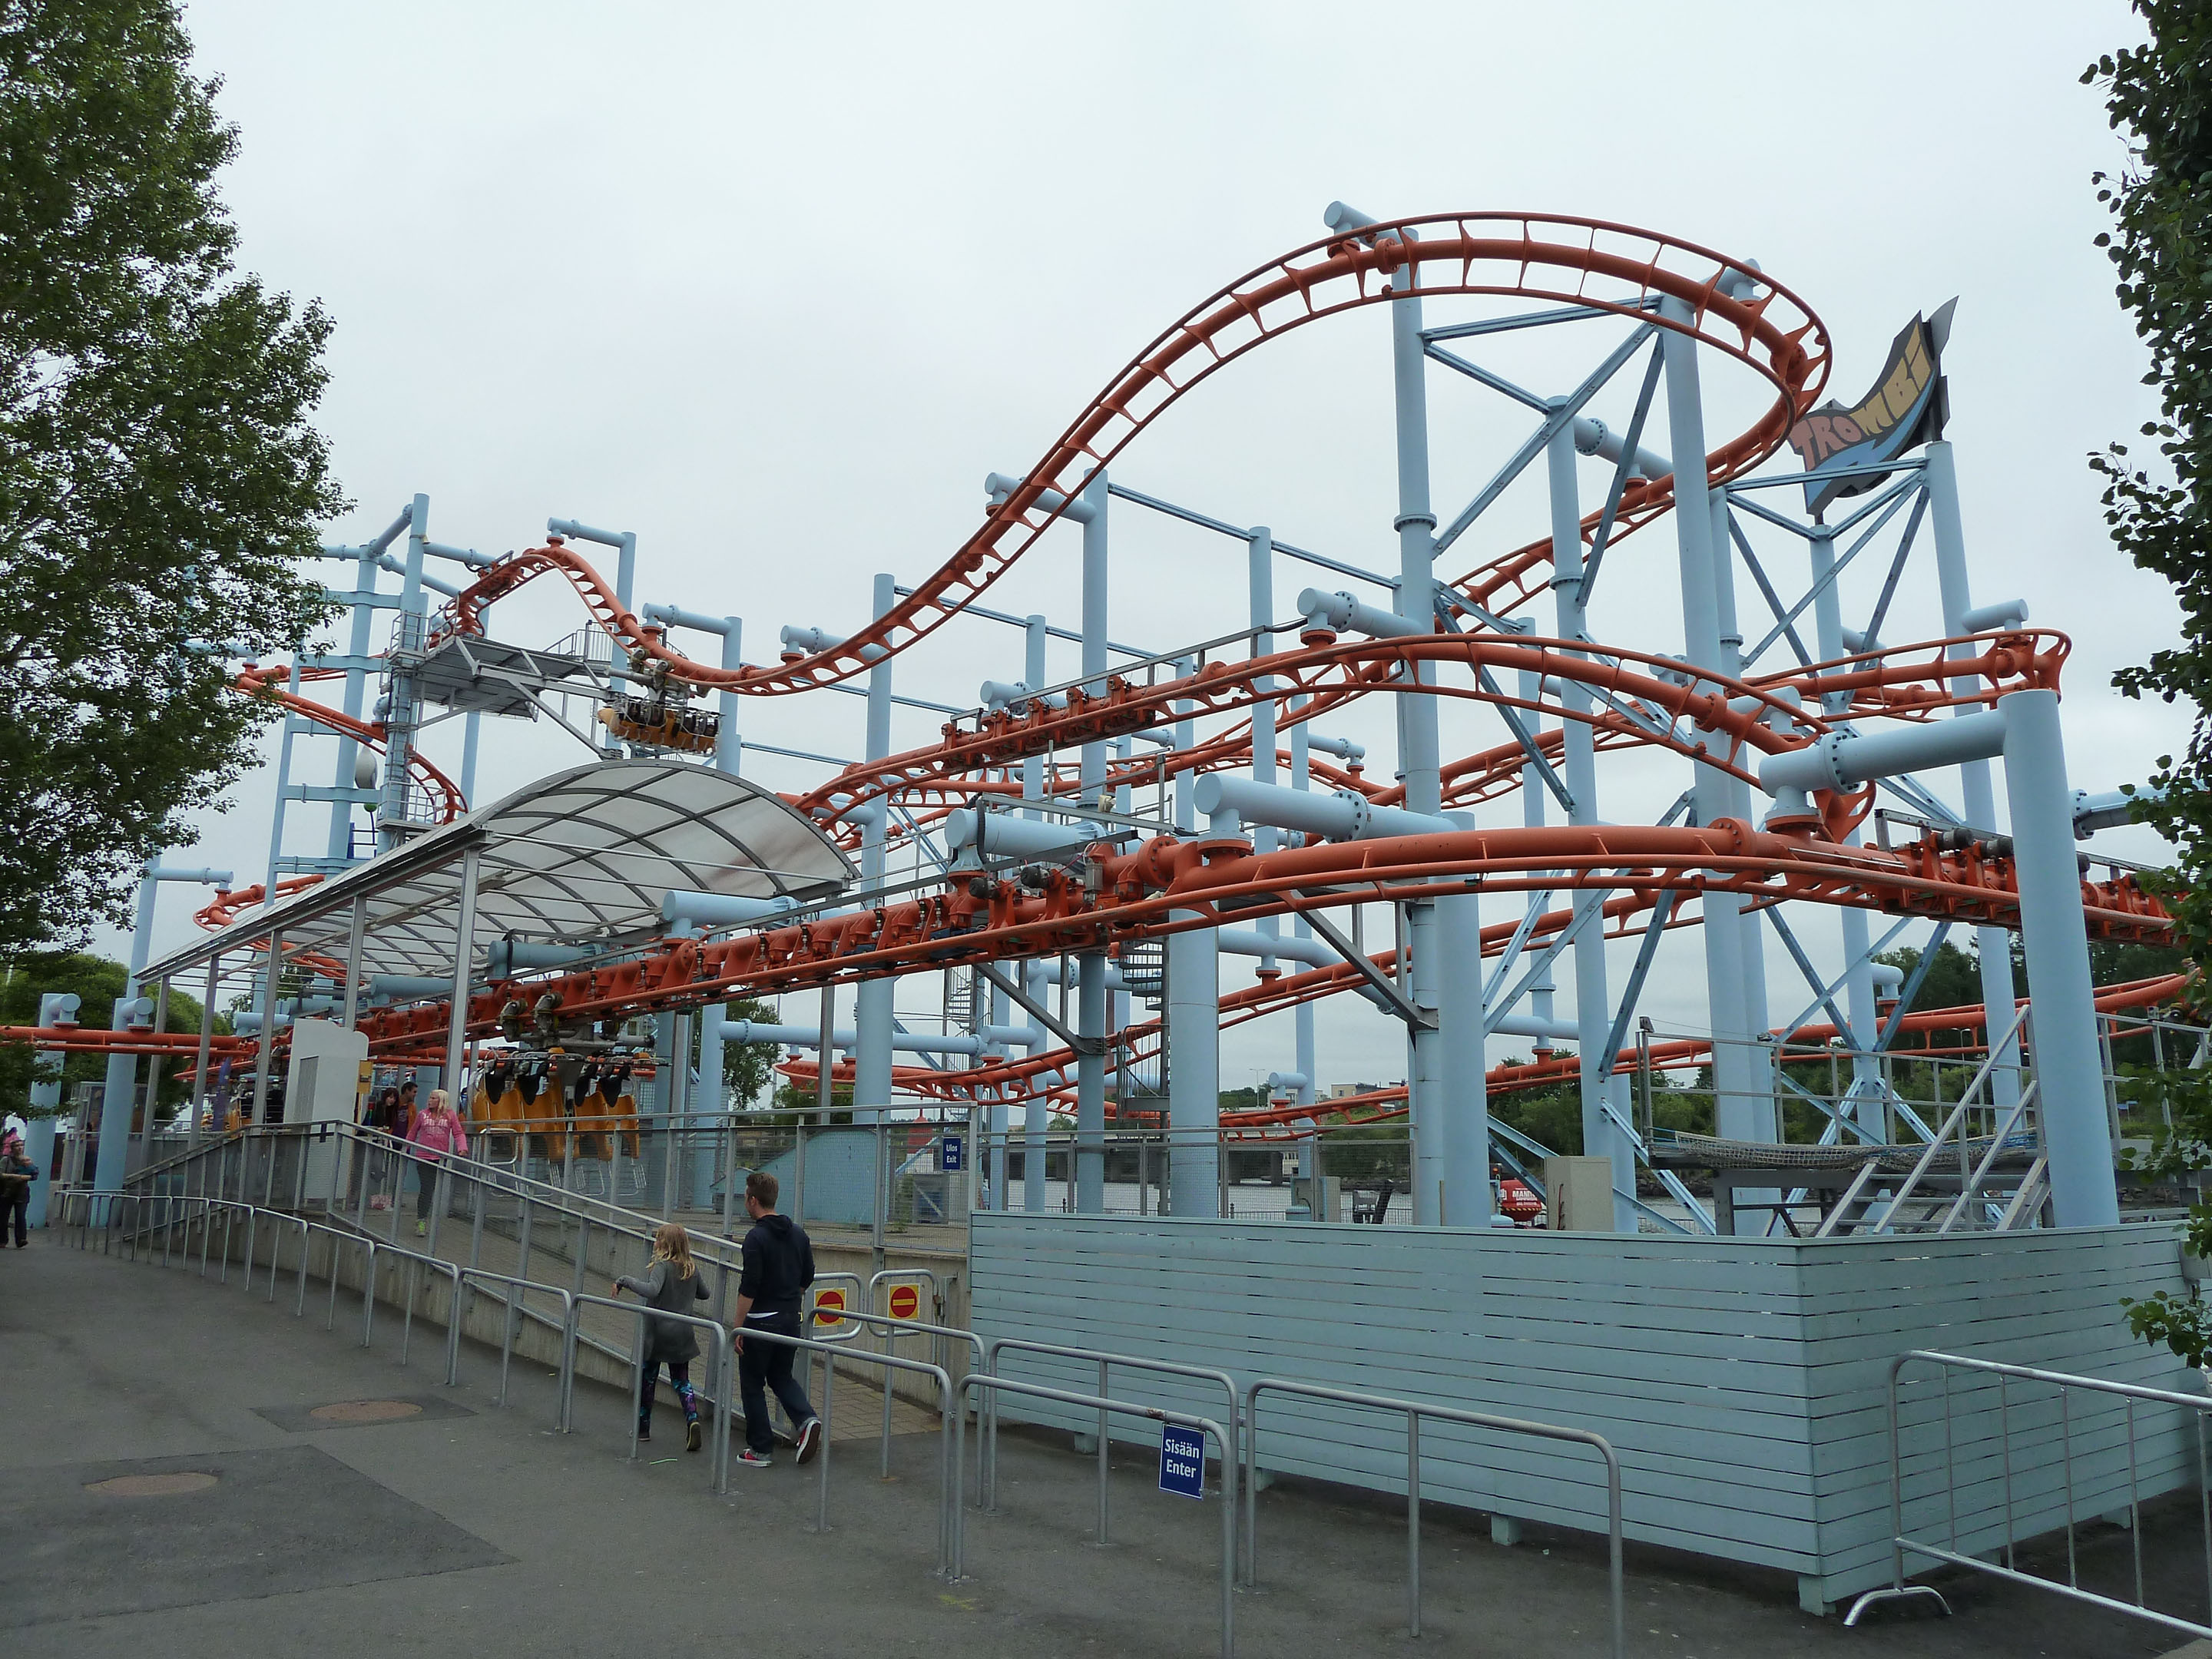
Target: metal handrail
[(1414, 1411), (877, 1280), (847, 1313), (718, 1473), (1957, 1116), (1972, 1184), (988, 1479), (2199, 1405), (1222, 1436), (946, 1430), (894, 1328), (515, 1309)]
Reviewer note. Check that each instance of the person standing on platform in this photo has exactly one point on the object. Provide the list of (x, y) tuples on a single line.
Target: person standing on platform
[(674, 1284), (17, 1172), (439, 1135), (779, 1266)]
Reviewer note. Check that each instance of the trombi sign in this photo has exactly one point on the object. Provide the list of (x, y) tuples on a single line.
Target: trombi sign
[(1907, 407)]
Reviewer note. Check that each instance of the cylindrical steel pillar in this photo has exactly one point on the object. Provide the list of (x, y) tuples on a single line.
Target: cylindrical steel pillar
[(2068, 1069), (1867, 1088), (1090, 967), (1602, 1137), (1193, 1042), (871, 1059), (1743, 1112), (1420, 757), (1992, 944), (45, 1102)]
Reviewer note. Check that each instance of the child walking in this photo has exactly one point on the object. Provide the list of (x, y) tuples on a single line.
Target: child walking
[(674, 1284)]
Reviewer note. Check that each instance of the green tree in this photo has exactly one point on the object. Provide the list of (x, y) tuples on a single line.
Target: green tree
[(2159, 98), (746, 1066), (158, 476)]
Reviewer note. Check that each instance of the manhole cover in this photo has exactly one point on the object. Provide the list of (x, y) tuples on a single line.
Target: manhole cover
[(366, 1411), (153, 1485)]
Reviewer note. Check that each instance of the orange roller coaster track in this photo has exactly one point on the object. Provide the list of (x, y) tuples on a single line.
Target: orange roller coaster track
[(1588, 262)]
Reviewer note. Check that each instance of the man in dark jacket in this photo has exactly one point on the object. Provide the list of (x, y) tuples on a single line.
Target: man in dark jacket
[(17, 1172), (779, 1266)]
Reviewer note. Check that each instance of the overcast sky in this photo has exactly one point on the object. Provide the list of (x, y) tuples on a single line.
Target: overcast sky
[(775, 287)]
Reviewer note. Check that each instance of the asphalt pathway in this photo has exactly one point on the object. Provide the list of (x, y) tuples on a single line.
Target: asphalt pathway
[(188, 1471)]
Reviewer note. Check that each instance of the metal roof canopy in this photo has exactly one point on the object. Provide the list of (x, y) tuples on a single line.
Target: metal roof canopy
[(582, 857)]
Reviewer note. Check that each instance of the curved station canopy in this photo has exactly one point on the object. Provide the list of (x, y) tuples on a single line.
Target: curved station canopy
[(582, 858)]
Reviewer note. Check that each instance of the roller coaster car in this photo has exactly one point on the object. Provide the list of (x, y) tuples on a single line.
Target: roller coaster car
[(549, 1127), (604, 1108), (507, 1102), (662, 725)]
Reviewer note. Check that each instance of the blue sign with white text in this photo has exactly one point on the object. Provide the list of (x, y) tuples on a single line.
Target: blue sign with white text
[(1182, 1461), (950, 1152)]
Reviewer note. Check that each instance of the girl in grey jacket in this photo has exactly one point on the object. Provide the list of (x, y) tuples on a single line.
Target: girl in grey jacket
[(674, 1285)]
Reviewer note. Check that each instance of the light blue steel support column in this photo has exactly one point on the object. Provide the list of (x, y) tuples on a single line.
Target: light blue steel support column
[(1186, 807), (1035, 1111), (121, 1083), (1193, 1020), (625, 542), (471, 732), (1464, 1200), (1602, 1137), (46, 1101), (1260, 580), (339, 844), (875, 998), (1001, 1114), (1090, 967), (1737, 1098), (1033, 674), (1419, 758), (399, 719), (1858, 979), (729, 748), (1993, 944), (1303, 1015), (2069, 1065), (1194, 1048), (1752, 928), (283, 784), (1535, 801)]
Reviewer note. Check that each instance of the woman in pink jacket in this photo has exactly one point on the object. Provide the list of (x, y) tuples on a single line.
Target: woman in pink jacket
[(439, 1132)]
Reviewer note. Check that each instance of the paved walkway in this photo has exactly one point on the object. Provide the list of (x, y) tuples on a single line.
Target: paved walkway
[(190, 1472)]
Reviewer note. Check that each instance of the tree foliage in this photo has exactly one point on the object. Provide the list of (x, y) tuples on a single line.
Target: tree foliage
[(747, 1066), (159, 480), (2159, 97)]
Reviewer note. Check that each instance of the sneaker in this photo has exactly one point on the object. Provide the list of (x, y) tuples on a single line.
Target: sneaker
[(645, 1436), (422, 1230), (810, 1439), (691, 1434), (749, 1459)]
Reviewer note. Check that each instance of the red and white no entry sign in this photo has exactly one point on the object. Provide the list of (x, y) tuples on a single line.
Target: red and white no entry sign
[(906, 1302)]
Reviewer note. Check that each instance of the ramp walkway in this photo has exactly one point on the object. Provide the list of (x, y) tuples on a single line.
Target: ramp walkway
[(195, 1472)]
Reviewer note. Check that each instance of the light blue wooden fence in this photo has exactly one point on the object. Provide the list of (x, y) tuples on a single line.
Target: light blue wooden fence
[(1742, 1380)]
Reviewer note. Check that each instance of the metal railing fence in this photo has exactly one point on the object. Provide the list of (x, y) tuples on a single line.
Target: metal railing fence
[(1222, 1436), (1414, 1411), (987, 1473), (2131, 1395)]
